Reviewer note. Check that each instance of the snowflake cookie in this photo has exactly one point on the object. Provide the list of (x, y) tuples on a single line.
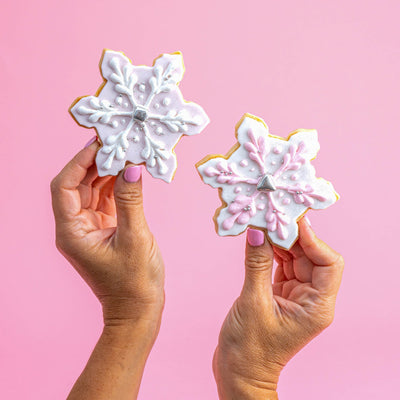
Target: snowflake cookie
[(139, 114), (266, 181)]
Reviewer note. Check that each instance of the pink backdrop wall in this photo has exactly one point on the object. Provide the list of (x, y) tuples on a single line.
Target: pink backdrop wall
[(330, 65)]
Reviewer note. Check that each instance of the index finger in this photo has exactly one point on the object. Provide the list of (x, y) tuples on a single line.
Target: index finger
[(65, 196), (328, 264)]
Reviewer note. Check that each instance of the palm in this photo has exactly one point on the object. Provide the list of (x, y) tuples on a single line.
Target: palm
[(293, 283), (92, 208)]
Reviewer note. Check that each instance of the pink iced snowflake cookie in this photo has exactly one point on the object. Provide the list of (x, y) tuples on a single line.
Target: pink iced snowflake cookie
[(267, 182), (139, 114)]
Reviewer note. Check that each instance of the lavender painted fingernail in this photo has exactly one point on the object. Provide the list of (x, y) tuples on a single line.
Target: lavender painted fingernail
[(132, 174), (255, 237), (92, 140)]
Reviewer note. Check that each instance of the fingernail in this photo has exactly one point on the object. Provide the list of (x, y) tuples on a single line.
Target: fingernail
[(92, 140), (255, 237), (132, 174), (307, 220)]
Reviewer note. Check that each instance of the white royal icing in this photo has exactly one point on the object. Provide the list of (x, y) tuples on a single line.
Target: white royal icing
[(267, 182), (140, 114)]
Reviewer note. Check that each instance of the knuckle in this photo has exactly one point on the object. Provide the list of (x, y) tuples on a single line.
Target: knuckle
[(59, 244), (324, 320), (54, 185), (258, 262), (340, 261), (327, 319), (133, 197)]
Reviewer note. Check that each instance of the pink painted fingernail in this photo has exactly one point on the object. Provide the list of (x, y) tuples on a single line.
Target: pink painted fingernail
[(307, 220), (132, 174), (92, 140), (255, 237)]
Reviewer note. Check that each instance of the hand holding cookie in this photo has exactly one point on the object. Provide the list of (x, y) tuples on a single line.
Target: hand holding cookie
[(271, 321), (116, 256)]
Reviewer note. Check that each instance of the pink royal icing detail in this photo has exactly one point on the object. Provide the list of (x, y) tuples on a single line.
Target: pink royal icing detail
[(227, 173), (277, 149), (257, 150), (276, 219), (304, 195), (242, 209), (280, 159)]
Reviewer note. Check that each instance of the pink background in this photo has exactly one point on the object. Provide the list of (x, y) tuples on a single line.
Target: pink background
[(329, 65)]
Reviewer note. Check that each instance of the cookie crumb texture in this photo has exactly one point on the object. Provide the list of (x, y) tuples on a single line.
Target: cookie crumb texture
[(139, 114), (267, 182)]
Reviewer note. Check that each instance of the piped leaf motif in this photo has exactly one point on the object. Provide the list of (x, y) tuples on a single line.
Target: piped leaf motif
[(274, 207), (132, 108)]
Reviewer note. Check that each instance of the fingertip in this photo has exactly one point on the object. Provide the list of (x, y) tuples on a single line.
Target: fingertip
[(255, 237), (305, 230), (314, 248), (91, 141), (132, 173)]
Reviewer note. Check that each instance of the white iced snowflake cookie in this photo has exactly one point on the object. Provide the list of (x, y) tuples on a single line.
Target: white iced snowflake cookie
[(139, 114), (266, 181)]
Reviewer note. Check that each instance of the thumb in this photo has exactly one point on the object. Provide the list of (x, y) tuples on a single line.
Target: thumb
[(129, 203), (258, 263)]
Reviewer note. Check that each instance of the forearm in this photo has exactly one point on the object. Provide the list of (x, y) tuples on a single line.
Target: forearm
[(115, 367)]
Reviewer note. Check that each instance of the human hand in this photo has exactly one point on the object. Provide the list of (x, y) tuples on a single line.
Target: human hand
[(118, 257), (270, 322)]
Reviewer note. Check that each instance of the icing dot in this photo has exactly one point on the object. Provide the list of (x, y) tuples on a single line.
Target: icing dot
[(262, 197), (152, 123), (294, 177), (137, 128), (280, 195), (136, 138), (110, 140), (273, 162), (286, 201), (284, 177), (156, 106), (141, 97), (123, 121), (118, 100), (244, 163), (238, 189), (248, 189), (126, 105), (114, 124), (159, 130), (277, 149), (167, 101), (260, 206), (252, 169), (142, 87)]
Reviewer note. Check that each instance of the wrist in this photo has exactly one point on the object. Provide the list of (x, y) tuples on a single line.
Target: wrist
[(140, 334), (129, 311), (240, 390), (232, 387)]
